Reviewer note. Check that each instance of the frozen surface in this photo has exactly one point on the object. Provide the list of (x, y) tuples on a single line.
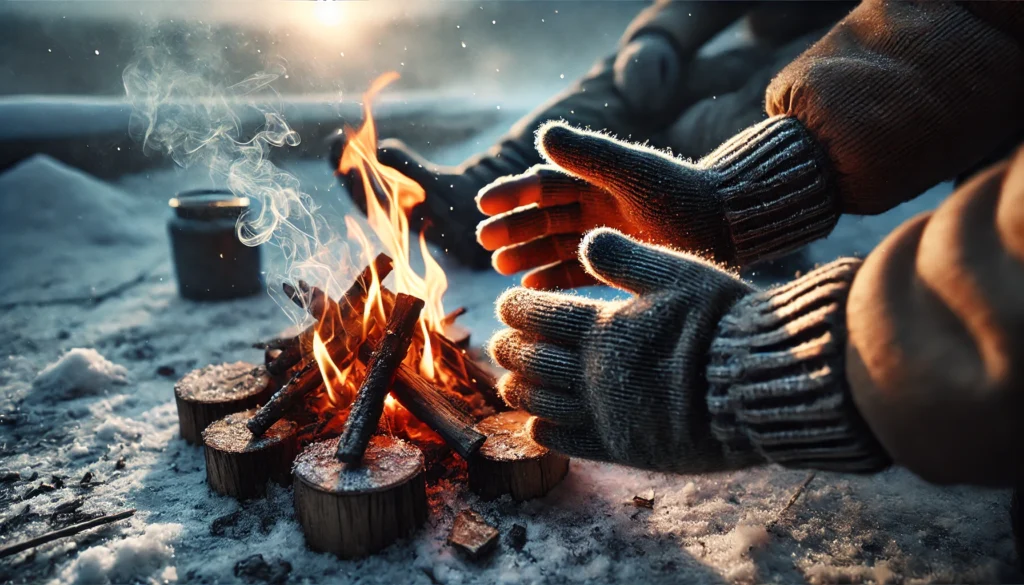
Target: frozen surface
[(120, 428)]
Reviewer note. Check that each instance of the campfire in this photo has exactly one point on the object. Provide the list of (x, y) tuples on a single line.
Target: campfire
[(376, 399)]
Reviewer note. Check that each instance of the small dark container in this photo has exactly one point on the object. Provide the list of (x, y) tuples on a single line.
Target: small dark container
[(209, 260)]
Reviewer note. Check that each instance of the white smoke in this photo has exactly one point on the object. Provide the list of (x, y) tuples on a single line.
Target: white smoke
[(188, 106)]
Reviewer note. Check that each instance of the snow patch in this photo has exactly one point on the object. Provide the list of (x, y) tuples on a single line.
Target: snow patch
[(79, 372), (139, 558)]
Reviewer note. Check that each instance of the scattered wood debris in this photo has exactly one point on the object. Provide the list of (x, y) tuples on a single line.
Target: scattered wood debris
[(69, 531), (472, 534), (644, 501)]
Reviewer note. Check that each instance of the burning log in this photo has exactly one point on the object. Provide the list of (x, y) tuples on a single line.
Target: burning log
[(510, 462), (430, 406), (302, 383), (339, 316), (210, 393), (240, 464), (355, 511), (380, 371)]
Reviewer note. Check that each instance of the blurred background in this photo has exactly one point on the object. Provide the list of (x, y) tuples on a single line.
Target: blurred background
[(489, 47)]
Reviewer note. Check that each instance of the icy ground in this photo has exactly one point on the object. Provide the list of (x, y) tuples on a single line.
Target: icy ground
[(107, 410)]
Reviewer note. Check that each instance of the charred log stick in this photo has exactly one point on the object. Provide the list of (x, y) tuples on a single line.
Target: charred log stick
[(430, 406), (479, 379), (240, 464), (380, 371), (342, 315), (354, 512), (209, 393), (511, 462), (302, 383)]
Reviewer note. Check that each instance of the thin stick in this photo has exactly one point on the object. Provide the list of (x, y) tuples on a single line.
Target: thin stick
[(69, 531), (792, 499), (380, 371)]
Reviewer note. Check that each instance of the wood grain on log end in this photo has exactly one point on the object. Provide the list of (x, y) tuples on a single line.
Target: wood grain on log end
[(354, 511), (213, 392), (511, 462), (240, 465)]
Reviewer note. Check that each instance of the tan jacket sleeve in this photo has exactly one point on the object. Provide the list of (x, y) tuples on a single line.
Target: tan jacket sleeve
[(904, 95), (935, 358)]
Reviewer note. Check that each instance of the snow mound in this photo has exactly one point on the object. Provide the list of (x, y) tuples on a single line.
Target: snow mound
[(143, 558), (79, 372), (63, 232)]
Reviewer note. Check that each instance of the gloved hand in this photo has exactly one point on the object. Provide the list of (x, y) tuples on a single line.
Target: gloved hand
[(763, 193), (697, 372), (648, 72)]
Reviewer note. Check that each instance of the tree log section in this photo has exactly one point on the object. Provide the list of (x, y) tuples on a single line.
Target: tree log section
[(510, 462), (212, 392), (239, 464), (380, 371), (354, 511)]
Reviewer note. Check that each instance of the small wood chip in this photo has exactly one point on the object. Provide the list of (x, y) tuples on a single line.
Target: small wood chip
[(644, 501), (472, 534)]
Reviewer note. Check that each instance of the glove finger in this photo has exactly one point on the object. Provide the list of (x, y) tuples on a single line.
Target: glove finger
[(539, 252), (613, 165), (543, 184), (546, 364), (575, 441), (551, 405), (624, 263), (527, 223), (561, 276), (555, 317)]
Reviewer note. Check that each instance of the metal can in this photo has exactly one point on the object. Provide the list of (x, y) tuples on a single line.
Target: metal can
[(210, 262)]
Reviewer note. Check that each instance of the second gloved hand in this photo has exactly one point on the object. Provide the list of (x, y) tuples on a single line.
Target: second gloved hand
[(696, 372), (763, 193), (624, 381)]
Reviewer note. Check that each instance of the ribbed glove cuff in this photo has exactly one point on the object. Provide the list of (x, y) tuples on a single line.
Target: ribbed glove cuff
[(776, 189), (776, 377)]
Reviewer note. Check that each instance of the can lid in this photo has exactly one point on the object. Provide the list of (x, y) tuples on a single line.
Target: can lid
[(208, 204)]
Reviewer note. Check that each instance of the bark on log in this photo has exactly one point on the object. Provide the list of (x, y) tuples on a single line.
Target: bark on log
[(239, 464), (510, 462), (356, 511), (368, 406), (212, 392), (429, 405)]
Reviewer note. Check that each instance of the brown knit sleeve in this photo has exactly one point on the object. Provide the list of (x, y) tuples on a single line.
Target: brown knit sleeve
[(904, 95), (935, 352)]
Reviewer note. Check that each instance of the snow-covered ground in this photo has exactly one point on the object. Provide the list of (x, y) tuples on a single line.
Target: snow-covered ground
[(86, 388)]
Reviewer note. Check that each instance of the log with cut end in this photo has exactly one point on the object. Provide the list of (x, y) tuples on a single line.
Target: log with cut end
[(426, 402), (380, 371), (240, 464), (212, 392), (354, 511), (511, 462), (472, 535)]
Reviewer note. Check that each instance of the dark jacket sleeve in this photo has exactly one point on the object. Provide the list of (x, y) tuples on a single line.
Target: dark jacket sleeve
[(687, 24), (904, 95), (935, 353)]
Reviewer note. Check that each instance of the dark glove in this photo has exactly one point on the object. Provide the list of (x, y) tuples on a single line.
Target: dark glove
[(648, 73), (695, 373), (763, 193)]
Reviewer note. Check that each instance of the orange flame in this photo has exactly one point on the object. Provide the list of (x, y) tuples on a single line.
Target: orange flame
[(391, 225)]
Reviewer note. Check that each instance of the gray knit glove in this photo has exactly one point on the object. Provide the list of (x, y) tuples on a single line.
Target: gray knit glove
[(765, 192), (628, 381)]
